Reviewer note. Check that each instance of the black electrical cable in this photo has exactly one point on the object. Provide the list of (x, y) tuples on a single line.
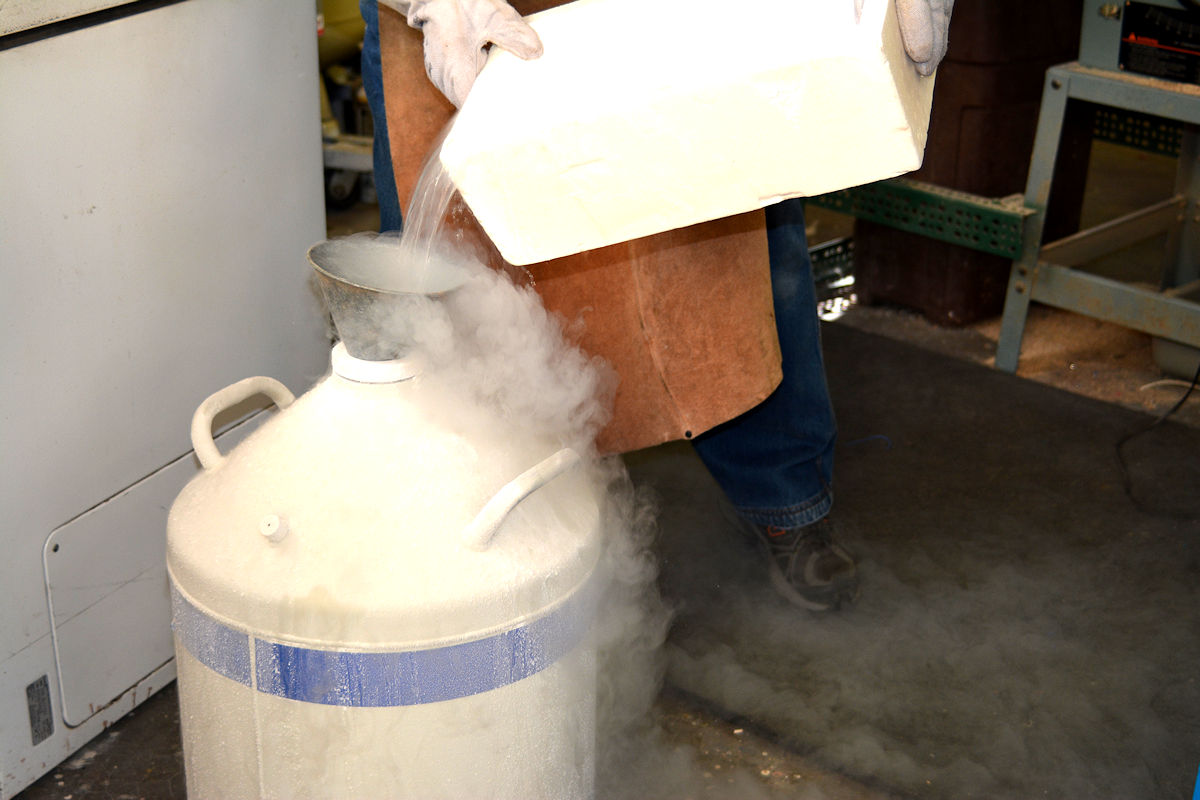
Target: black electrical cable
[(1127, 481)]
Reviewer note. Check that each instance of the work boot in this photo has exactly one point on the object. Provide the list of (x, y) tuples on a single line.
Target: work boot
[(807, 567)]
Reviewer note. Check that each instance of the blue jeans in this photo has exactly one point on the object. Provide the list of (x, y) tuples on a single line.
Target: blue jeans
[(775, 462), (381, 151)]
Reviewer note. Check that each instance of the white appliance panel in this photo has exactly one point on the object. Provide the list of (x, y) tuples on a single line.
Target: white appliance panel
[(20, 15), (162, 180)]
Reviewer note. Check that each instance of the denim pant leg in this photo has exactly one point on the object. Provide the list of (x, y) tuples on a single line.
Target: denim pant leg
[(775, 462), (372, 75)]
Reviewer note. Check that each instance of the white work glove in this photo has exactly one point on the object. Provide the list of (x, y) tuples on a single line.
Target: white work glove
[(923, 27), (457, 35)]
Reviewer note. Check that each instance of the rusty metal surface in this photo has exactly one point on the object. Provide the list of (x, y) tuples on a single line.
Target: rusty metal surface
[(1116, 234), (1131, 306), (990, 225)]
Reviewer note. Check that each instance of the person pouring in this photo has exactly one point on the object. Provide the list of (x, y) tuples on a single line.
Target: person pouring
[(760, 416)]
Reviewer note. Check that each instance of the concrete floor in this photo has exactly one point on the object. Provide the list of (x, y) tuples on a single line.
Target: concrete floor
[(141, 757)]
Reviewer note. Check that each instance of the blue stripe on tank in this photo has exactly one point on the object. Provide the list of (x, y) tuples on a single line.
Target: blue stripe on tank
[(386, 679), (216, 646)]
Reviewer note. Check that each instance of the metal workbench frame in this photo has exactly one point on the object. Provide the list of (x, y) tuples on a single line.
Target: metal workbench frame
[(1131, 110), (1047, 274)]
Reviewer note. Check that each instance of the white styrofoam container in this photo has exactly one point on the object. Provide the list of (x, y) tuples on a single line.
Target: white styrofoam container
[(647, 115)]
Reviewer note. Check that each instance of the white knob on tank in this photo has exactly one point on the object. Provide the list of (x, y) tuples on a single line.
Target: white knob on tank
[(273, 527)]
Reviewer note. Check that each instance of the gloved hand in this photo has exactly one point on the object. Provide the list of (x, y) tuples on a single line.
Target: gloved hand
[(923, 27), (457, 34)]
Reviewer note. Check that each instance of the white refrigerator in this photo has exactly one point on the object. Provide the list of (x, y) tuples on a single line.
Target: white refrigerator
[(160, 181)]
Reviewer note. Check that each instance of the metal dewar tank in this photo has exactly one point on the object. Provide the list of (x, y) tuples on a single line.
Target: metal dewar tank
[(386, 590)]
